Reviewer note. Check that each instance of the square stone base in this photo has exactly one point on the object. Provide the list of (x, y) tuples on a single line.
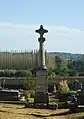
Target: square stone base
[(41, 94), (41, 98), (41, 81)]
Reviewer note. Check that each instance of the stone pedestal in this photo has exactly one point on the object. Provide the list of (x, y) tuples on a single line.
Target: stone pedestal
[(41, 93), (41, 81)]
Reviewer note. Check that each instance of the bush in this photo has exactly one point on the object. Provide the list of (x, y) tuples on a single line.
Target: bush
[(64, 87), (25, 86), (1, 73), (32, 94), (54, 88), (9, 73), (13, 73), (27, 95), (63, 93), (28, 84)]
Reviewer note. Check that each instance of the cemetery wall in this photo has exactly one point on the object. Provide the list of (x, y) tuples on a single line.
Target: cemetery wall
[(17, 82)]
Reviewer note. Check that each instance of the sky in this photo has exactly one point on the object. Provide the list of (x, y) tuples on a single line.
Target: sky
[(64, 20)]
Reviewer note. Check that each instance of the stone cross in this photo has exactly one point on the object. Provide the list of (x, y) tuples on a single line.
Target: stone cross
[(41, 95), (41, 40), (41, 31)]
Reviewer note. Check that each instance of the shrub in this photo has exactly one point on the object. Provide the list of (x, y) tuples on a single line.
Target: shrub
[(13, 73), (9, 73), (64, 87), (54, 88), (1, 73), (22, 73), (25, 86), (28, 84), (32, 94), (27, 95)]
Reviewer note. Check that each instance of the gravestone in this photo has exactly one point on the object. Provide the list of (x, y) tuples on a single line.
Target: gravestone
[(41, 93), (10, 95), (76, 85)]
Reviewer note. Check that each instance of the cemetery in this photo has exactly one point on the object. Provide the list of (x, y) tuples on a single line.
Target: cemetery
[(41, 93)]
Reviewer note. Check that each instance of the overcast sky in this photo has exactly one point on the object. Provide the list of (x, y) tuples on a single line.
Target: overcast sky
[(64, 20)]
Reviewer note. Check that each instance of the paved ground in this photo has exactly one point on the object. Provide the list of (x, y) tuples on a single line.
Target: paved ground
[(12, 111)]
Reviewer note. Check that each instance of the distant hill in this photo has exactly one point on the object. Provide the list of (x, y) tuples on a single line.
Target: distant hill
[(66, 56)]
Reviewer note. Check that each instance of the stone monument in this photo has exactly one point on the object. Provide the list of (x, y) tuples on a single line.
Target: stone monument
[(41, 93)]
